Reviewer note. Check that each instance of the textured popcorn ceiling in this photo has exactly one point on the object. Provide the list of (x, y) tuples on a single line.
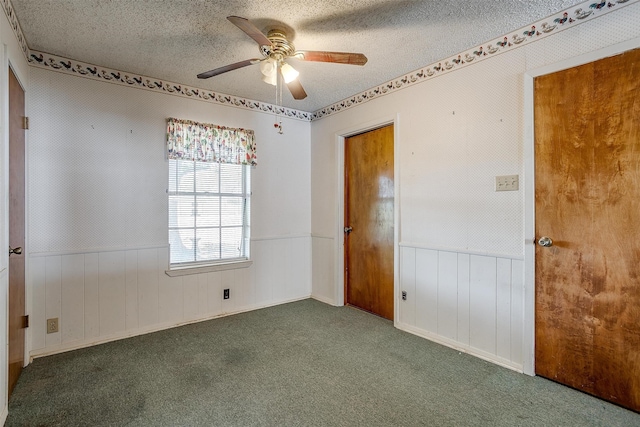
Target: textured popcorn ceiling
[(176, 39)]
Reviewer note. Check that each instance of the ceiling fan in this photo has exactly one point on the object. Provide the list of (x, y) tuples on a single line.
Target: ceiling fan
[(275, 48)]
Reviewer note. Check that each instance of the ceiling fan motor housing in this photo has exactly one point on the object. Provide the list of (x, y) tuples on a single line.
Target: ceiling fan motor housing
[(281, 47)]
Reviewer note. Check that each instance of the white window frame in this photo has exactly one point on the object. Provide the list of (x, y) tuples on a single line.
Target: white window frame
[(195, 267)]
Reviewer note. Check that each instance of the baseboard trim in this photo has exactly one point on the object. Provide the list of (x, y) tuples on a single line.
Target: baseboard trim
[(481, 354), (4, 414), (50, 351), (324, 300)]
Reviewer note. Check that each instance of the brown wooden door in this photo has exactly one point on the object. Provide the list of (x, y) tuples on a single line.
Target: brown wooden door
[(369, 195), (587, 156), (16, 229)]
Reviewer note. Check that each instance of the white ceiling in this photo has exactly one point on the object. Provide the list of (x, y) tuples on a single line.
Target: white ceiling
[(176, 39)]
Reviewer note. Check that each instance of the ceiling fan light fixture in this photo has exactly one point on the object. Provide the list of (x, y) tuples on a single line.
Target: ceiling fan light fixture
[(271, 79), (268, 67), (289, 73)]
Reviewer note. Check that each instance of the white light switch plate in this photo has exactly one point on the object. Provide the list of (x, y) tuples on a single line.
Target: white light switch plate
[(507, 183)]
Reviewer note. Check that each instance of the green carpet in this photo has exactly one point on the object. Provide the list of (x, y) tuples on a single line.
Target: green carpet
[(298, 364)]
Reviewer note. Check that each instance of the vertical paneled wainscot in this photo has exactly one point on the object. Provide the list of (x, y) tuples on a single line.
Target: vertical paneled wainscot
[(470, 302), (102, 296)]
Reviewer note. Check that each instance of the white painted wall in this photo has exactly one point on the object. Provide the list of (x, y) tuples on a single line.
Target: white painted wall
[(10, 55), (98, 214), (461, 244)]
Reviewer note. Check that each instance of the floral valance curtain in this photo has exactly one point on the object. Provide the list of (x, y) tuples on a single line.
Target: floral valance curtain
[(204, 142)]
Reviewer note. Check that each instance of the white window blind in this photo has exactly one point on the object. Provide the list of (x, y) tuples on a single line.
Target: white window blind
[(209, 212)]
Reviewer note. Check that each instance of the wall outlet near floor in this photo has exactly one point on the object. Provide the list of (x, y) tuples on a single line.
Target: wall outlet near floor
[(52, 325), (226, 294), (507, 183)]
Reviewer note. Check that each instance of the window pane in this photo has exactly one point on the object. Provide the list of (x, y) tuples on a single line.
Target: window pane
[(231, 212), (195, 220), (181, 211), (231, 178), (231, 242), (208, 211), (181, 245), (184, 172), (207, 177), (208, 244), (173, 176)]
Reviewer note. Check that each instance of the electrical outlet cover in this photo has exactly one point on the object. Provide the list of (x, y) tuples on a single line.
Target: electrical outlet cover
[(52, 325)]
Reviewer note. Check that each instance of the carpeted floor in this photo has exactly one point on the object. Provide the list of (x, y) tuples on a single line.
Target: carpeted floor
[(298, 364)]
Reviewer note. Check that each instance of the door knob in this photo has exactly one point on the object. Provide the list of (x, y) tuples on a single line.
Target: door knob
[(348, 230), (545, 241), (16, 251)]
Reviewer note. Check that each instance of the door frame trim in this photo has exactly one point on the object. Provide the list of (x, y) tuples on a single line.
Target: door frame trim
[(339, 138), (529, 185)]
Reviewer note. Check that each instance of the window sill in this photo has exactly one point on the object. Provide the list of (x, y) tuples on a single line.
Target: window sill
[(184, 271)]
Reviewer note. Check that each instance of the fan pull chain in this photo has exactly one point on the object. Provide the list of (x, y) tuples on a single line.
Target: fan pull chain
[(278, 123)]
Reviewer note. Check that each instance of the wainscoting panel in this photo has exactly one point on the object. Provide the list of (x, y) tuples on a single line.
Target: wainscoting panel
[(190, 292), (111, 292), (517, 311), (72, 304), (170, 293), (102, 296), (323, 269), (427, 289), (471, 302), (447, 282), (38, 277), (91, 306), (53, 296), (482, 299), (503, 308), (131, 292), (462, 307), (148, 271), (407, 315)]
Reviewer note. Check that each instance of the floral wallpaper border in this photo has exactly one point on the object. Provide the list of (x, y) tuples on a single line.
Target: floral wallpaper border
[(545, 27), (15, 25), (57, 63), (553, 24)]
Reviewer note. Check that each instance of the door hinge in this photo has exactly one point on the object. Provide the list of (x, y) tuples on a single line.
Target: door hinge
[(25, 122), (25, 321)]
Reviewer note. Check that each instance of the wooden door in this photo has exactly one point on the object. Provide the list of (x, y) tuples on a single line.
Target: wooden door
[(587, 156), (16, 230), (369, 196)]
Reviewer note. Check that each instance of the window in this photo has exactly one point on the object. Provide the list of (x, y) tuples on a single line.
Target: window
[(209, 194), (209, 211)]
